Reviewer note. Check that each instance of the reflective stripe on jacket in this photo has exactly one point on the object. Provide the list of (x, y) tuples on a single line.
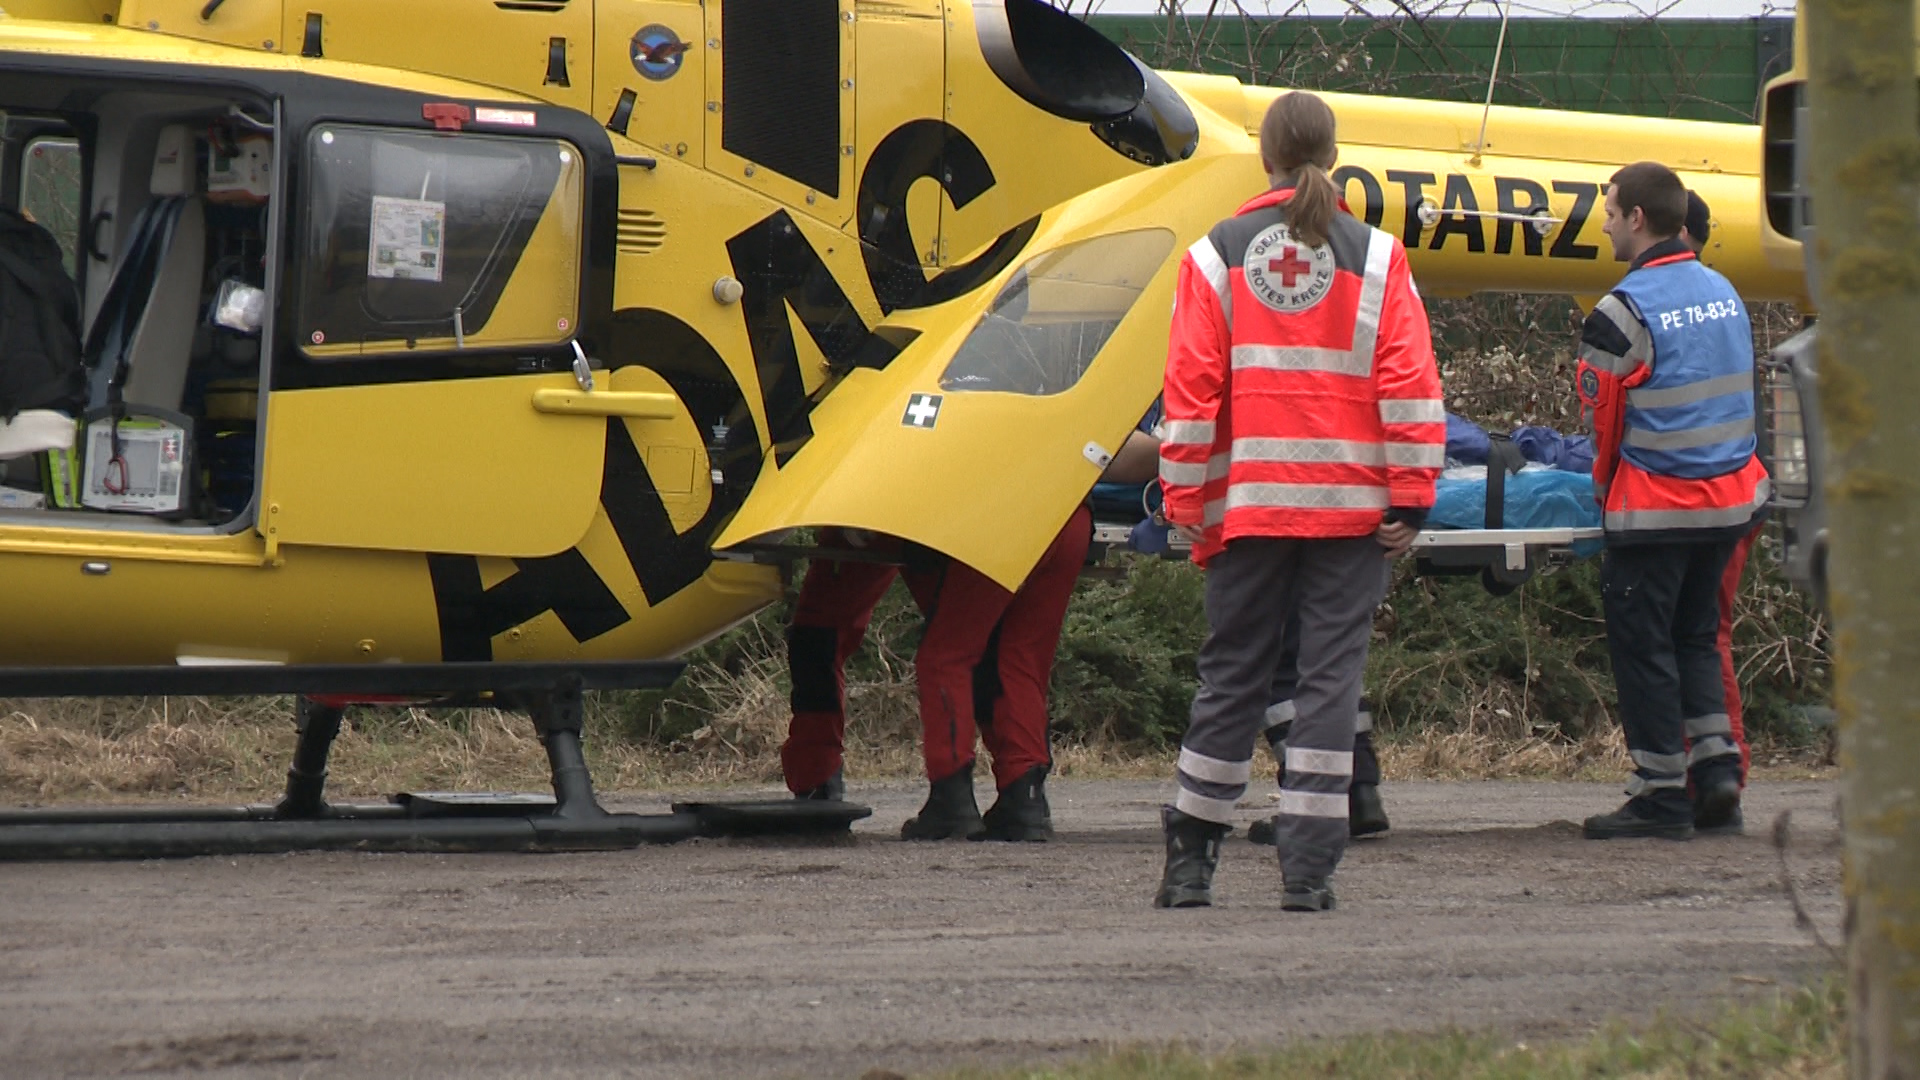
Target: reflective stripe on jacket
[(1666, 377), (1302, 398)]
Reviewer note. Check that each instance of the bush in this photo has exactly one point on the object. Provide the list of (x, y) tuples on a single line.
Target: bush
[(1125, 670), (1449, 654), (1446, 656)]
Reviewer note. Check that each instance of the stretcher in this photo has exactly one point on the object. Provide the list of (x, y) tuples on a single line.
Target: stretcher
[(1506, 558), (1552, 513)]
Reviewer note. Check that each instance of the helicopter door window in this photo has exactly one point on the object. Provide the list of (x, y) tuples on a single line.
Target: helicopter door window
[(1054, 315), (437, 242)]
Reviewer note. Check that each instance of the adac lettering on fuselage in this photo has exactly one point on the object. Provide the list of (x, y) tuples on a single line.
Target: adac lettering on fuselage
[(780, 272), (1459, 225)]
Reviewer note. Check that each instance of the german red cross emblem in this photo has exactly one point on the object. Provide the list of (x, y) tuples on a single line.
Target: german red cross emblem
[(1285, 274)]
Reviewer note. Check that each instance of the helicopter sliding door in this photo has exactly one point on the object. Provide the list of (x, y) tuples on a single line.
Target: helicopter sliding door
[(436, 294)]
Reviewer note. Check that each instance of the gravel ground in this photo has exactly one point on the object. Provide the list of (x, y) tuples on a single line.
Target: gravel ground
[(1483, 908)]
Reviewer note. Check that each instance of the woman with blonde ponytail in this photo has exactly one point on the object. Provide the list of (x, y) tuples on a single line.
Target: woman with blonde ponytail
[(1303, 435)]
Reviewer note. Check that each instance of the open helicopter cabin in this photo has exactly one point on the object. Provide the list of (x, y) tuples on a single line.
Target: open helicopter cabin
[(215, 244), (158, 202)]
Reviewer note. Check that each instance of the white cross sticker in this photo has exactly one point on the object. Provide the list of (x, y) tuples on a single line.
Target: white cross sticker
[(922, 411)]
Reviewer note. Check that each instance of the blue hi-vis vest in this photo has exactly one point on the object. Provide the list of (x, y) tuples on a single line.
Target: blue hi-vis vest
[(1693, 418)]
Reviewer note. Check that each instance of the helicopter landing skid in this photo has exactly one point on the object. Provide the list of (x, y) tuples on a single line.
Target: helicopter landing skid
[(571, 819)]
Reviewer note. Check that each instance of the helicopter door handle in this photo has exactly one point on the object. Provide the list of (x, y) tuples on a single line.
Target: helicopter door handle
[(635, 406), (582, 367), (588, 401), (100, 221)]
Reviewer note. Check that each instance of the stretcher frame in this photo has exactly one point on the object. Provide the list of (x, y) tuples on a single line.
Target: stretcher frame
[(1506, 558)]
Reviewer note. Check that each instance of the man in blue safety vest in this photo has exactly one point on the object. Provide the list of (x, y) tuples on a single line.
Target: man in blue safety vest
[(1666, 376)]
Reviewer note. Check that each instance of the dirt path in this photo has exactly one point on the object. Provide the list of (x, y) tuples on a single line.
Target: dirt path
[(1484, 908)]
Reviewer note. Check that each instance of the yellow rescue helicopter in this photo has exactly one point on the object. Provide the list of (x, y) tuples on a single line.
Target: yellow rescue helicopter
[(464, 347)]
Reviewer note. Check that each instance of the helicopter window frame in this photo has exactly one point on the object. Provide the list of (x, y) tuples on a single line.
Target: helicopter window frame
[(332, 301)]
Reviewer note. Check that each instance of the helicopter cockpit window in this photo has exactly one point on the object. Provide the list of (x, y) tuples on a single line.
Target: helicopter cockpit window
[(437, 241), (1050, 320)]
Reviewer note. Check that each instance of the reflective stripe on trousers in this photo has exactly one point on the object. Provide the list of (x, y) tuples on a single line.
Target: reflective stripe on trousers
[(1334, 585)]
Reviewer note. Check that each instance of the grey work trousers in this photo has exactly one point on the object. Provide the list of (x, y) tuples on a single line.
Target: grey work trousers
[(1286, 679), (1253, 588)]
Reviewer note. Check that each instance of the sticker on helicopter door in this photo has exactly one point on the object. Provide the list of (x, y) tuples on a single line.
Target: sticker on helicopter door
[(923, 411), (407, 240)]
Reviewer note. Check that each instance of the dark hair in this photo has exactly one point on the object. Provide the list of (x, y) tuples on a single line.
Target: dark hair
[(1658, 193), (1297, 137), (1697, 225)]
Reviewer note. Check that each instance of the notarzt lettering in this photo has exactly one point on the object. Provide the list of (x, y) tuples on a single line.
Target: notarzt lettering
[(1459, 209)]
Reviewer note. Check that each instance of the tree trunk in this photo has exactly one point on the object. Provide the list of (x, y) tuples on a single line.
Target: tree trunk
[(1864, 174)]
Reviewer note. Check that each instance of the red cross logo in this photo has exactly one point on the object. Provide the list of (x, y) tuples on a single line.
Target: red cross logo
[(1290, 266)]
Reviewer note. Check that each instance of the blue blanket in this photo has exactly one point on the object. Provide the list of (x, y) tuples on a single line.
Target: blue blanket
[(1536, 499), (1467, 444)]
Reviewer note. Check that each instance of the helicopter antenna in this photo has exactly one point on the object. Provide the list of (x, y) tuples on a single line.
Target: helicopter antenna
[(1493, 76)]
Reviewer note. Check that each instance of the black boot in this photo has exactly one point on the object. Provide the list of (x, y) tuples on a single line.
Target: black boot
[(1734, 824), (1193, 850), (1716, 799), (834, 789), (1265, 832), (950, 812), (1307, 894), (1020, 813), (1665, 813), (1366, 814)]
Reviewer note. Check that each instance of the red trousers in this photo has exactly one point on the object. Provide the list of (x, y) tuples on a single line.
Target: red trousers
[(1729, 590), (978, 635), (829, 621), (968, 615)]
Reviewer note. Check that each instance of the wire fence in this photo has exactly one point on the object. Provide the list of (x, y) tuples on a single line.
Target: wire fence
[(1635, 60)]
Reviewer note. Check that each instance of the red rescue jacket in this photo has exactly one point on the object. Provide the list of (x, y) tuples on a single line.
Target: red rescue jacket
[(1301, 397)]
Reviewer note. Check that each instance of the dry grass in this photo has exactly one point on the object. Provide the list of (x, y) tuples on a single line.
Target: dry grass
[(1471, 755), (207, 750), (200, 749)]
